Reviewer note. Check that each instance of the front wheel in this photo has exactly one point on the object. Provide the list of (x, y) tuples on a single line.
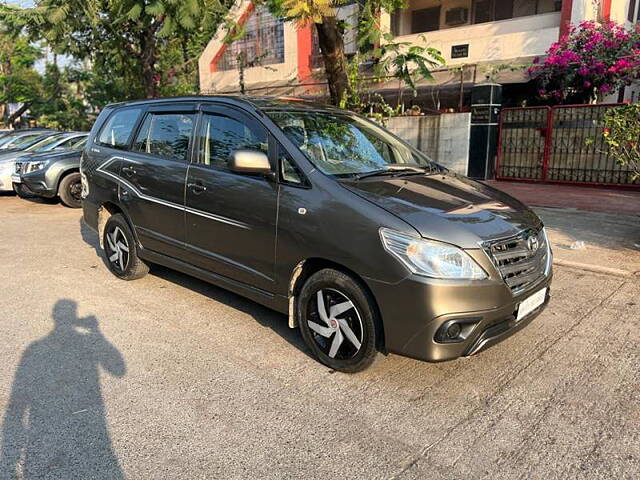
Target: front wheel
[(337, 319), (70, 190)]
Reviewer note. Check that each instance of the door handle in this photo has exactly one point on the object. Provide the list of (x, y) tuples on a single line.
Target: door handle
[(129, 171), (197, 188)]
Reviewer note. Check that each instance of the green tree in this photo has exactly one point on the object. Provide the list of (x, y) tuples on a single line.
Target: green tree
[(139, 30), (63, 106), (19, 81), (407, 63)]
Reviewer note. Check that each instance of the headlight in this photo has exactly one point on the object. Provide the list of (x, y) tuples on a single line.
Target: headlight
[(429, 258), (35, 166)]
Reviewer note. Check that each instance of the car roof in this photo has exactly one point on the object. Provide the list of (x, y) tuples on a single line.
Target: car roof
[(257, 103)]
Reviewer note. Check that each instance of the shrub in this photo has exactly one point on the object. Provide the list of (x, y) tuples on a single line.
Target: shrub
[(622, 135), (592, 59)]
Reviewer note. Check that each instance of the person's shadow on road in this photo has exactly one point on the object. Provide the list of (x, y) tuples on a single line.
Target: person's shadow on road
[(54, 425)]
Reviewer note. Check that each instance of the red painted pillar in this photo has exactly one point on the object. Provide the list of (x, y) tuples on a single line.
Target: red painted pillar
[(565, 17), (606, 10), (304, 37)]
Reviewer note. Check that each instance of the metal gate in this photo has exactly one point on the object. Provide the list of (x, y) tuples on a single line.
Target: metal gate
[(560, 144)]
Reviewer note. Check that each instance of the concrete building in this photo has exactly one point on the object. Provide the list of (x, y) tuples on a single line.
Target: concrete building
[(478, 38)]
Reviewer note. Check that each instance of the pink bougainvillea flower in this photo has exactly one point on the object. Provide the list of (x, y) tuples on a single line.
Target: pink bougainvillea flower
[(605, 56)]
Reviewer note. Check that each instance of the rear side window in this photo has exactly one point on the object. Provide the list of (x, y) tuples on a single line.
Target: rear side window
[(166, 135), (117, 130), (221, 136)]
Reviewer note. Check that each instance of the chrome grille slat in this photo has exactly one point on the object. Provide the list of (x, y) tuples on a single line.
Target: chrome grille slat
[(521, 280), (519, 265), (515, 253)]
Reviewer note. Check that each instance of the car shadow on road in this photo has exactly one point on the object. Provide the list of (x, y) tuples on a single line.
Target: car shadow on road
[(54, 425), (32, 198), (265, 317), (42, 200)]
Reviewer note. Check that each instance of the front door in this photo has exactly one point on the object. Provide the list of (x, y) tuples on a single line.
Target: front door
[(231, 217), (154, 174)]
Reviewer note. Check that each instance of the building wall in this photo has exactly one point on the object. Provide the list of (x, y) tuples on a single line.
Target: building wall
[(521, 8), (294, 69), (615, 10), (494, 41), (516, 40), (213, 80), (444, 138)]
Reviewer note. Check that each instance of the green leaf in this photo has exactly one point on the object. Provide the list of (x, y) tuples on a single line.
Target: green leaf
[(135, 11)]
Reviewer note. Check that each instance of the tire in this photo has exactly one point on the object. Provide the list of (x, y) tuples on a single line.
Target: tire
[(22, 191), (70, 190), (355, 321), (121, 250)]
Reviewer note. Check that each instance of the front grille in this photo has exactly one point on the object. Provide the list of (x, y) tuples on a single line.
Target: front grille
[(521, 264)]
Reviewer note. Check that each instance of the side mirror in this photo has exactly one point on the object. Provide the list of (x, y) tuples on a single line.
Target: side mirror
[(249, 161)]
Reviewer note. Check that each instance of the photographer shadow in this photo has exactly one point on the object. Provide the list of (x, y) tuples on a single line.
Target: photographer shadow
[(55, 425)]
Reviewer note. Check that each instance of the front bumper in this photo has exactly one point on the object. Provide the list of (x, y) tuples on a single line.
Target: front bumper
[(38, 183), (416, 312)]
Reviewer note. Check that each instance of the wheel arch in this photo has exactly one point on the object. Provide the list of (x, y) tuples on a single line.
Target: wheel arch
[(106, 211), (308, 267), (64, 174)]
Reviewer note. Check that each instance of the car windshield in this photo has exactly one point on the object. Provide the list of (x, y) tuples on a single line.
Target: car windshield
[(21, 141), (344, 145), (79, 144), (6, 139), (46, 144)]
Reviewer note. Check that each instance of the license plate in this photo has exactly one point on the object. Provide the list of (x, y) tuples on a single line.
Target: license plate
[(528, 305), (16, 179)]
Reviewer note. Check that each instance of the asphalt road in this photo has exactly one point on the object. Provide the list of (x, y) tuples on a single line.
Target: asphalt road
[(169, 377)]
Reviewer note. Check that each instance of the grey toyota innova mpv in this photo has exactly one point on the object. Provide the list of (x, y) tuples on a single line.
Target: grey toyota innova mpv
[(320, 214)]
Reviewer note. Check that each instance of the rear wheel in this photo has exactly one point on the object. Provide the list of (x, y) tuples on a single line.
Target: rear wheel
[(337, 320), (70, 190), (121, 251)]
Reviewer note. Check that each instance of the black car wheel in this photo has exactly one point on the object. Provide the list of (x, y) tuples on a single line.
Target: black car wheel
[(70, 190), (337, 319), (121, 251)]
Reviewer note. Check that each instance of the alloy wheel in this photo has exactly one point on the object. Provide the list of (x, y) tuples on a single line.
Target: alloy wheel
[(117, 248), (335, 324), (75, 189)]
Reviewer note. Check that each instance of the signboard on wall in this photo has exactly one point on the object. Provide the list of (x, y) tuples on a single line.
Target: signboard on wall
[(460, 51)]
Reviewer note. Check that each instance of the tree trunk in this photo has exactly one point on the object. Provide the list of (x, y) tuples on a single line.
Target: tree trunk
[(335, 65), (149, 78), (17, 114), (148, 59)]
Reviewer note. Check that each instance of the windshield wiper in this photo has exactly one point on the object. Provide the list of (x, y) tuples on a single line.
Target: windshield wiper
[(375, 173), (394, 170)]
